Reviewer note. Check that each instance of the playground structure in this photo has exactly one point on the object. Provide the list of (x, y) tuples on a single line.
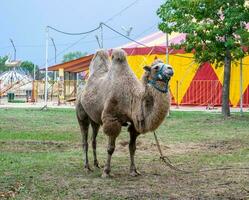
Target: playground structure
[(14, 80)]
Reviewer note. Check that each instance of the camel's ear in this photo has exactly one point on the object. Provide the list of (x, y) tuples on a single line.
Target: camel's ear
[(147, 68)]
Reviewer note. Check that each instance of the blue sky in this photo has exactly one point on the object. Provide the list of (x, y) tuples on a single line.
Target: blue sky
[(24, 21)]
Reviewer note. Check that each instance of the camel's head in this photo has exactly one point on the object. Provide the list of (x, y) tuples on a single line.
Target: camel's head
[(119, 56), (159, 71)]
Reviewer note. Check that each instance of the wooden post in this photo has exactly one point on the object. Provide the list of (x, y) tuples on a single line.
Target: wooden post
[(61, 87)]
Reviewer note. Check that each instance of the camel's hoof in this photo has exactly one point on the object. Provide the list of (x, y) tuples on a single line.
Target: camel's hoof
[(97, 166), (134, 173), (87, 168), (106, 175)]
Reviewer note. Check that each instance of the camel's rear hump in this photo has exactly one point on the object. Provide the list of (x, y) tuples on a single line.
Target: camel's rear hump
[(100, 63)]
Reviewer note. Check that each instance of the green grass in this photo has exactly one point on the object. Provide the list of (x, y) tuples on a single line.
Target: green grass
[(41, 158)]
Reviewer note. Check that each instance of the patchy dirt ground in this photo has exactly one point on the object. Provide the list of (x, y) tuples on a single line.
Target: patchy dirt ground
[(46, 163)]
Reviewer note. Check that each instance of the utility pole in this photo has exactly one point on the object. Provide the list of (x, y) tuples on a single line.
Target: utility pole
[(34, 73), (55, 54), (46, 74), (14, 48), (167, 48), (102, 36), (241, 78), (97, 38)]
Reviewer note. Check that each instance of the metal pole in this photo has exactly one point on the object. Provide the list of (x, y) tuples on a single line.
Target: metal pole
[(55, 55), (34, 72), (241, 79), (102, 36), (167, 48), (97, 38), (241, 87), (177, 89), (14, 48), (46, 65)]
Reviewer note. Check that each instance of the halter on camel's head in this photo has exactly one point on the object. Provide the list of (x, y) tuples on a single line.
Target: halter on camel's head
[(159, 73)]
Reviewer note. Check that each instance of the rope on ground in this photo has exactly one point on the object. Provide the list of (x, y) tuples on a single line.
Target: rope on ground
[(168, 163), (166, 160)]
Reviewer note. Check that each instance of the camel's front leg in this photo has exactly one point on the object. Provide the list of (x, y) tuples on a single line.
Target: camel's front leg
[(132, 148)]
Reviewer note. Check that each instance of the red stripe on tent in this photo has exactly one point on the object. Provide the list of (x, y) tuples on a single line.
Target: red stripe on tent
[(205, 88), (205, 72), (246, 97)]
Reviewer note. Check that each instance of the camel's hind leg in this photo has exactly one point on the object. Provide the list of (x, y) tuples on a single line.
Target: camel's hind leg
[(112, 129), (95, 128), (132, 149), (84, 122)]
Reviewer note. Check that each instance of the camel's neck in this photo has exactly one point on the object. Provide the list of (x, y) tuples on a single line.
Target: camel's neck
[(153, 109)]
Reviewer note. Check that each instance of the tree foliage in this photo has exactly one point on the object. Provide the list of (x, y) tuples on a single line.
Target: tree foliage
[(212, 26), (3, 67), (73, 55), (28, 67)]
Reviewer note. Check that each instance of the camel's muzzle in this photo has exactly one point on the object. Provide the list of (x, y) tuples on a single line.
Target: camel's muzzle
[(164, 73)]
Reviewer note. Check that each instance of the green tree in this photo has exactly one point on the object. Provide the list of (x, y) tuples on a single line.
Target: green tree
[(28, 67), (73, 55), (3, 67), (216, 32)]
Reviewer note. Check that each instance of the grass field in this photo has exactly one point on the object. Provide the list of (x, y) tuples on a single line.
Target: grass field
[(41, 158)]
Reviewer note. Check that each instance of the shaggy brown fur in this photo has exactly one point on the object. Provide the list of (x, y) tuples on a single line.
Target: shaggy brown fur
[(113, 97)]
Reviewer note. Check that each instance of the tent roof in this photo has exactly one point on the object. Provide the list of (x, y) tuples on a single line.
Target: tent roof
[(77, 65), (157, 39)]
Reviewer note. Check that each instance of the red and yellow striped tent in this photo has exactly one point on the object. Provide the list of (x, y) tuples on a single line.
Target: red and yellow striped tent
[(191, 84)]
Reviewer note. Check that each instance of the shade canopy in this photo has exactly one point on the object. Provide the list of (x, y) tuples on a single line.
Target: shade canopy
[(77, 65)]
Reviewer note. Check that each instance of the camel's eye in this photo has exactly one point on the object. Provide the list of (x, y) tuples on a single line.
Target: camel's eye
[(156, 67)]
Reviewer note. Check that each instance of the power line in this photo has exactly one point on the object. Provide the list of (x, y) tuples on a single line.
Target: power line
[(121, 11), (62, 44), (108, 20), (137, 41), (149, 28), (67, 33), (123, 35)]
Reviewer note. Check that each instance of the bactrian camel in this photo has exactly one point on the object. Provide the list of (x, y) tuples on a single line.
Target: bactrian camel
[(114, 97)]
